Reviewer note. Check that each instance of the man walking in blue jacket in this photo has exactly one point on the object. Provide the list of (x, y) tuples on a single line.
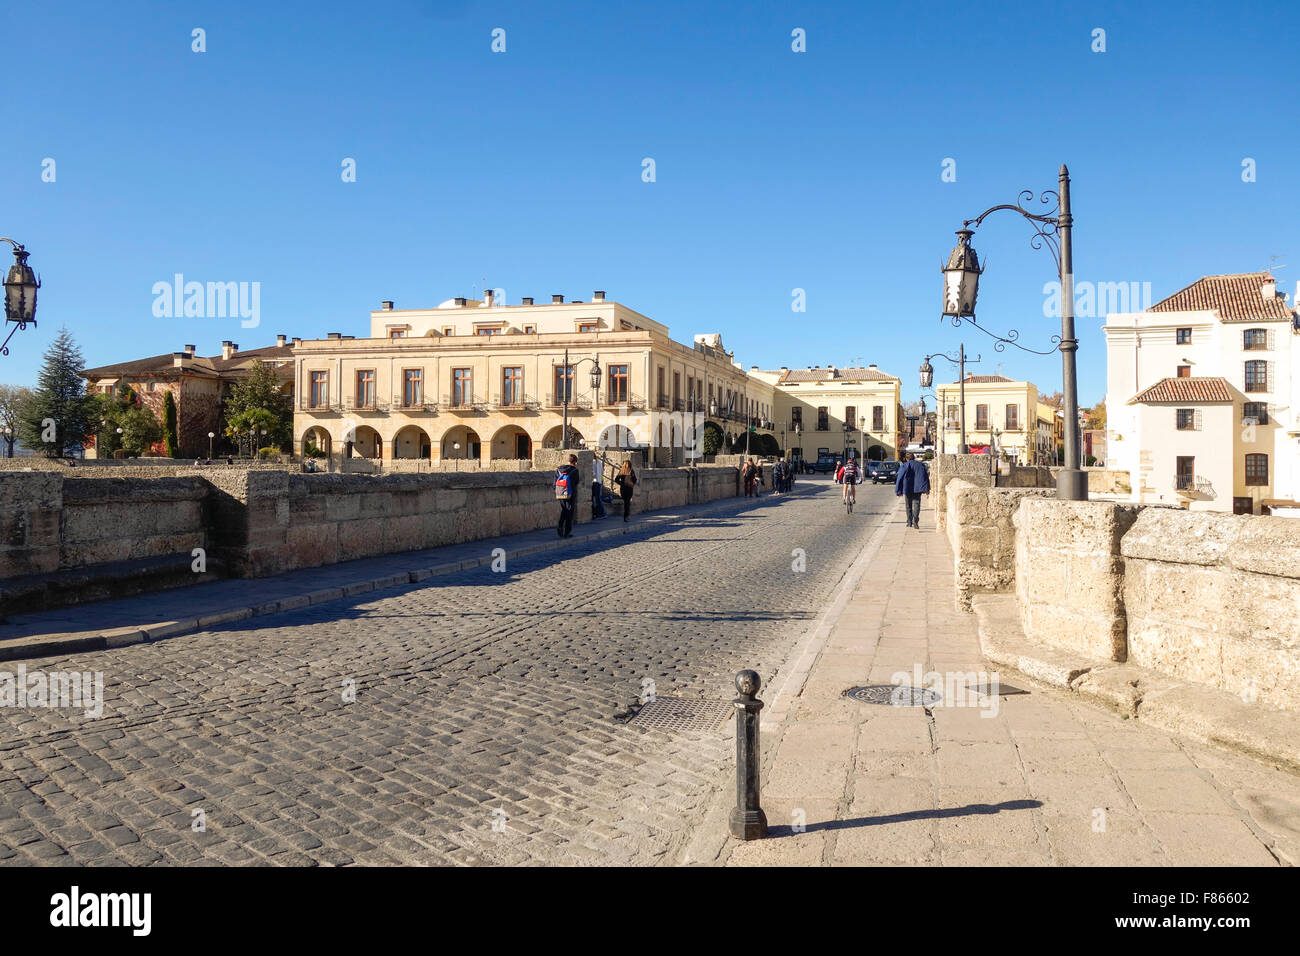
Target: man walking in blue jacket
[(913, 482)]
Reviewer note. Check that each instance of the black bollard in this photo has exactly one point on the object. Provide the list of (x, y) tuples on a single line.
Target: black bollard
[(748, 822)]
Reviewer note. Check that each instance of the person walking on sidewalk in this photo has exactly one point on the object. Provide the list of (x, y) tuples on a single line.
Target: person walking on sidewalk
[(566, 492), (913, 481), (597, 489), (626, 481)]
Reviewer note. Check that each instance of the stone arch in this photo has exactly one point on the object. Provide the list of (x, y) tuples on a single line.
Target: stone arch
[(553, 437), (511, 441), (411, 441), (460, 442), (319, 436), (367, 443), (617, 437)]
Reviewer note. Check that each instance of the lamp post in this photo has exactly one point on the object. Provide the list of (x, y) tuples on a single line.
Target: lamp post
[(211, 435), (568, 387), (1052, 229), (20, 293), (9, 440), (927, 378)]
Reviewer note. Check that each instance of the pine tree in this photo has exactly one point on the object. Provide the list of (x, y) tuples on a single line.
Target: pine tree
[(60, 416)]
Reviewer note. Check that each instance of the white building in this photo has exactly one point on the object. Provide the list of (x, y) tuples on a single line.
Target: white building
[(1203, 397)]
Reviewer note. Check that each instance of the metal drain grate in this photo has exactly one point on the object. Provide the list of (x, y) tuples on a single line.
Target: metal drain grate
[(680, 713), (996, 690), (899, 695)]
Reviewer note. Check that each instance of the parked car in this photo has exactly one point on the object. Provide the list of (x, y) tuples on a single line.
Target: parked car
[(825, 464), (882, 471)]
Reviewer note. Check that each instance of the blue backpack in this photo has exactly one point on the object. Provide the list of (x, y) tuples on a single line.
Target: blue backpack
[(564, 484)]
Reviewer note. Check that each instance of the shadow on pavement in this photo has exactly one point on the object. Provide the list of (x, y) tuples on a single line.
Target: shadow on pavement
[(971, 809)]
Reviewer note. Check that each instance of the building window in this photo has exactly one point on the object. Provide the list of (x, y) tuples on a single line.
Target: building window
[(397, 334), (850, 416), (589, 327), (1185, 419), (1253, 340), (1256, 412), (563, 384), (878, 418), (796, 416), (1257, 469), (530, 330), (823, 419), (462, 386), (320, 390), (412, 387), (1256, 376), (512, 385), (1184, 473), (618, 384), (981, 417), (952, 420), (448, 330), (487, 331), (1183, 337), (366, 388), (1013, 416), (1184, 371)]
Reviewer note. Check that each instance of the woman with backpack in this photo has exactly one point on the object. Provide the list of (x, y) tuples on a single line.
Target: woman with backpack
[(626, 481)]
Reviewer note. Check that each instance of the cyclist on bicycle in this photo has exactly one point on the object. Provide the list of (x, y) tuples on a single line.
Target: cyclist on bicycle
[(850, 479)]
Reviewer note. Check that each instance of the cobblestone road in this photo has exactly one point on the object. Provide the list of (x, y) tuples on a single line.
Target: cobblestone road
[(476, 694)]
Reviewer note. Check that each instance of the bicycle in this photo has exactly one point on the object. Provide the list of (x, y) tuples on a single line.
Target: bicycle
[(850, 495)]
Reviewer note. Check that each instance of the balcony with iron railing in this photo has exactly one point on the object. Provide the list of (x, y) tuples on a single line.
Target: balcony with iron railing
[(468, 405), (517, 403), (663, 402), (1193, 486), (416, 406), (577, 402), (352, 404), (627, 400), (307, 405)]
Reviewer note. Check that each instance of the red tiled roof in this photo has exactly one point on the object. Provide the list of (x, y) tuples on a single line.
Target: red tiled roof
[(196, 365), (1234, 298), (835, 375), (1185, 390)]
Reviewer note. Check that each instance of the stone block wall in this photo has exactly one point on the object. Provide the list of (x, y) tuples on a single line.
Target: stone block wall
[(31, 504), (983, 537), (973, 469), (1215, 599), (1070, 575), (124, 519)]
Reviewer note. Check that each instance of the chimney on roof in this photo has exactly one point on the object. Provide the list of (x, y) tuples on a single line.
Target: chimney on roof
[(386, 305), (228, 349), (872, 365), (281, 339), (598, 295), (784, 369), (296, 340), (488, 296), (527, 300), (178, 359), (332, 335), (557, 300), (189, 351), (1269, 289), (459, 300)]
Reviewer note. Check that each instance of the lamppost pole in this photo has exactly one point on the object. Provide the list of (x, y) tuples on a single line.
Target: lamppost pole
[(567, 378), (1071, 481), (961, 375)]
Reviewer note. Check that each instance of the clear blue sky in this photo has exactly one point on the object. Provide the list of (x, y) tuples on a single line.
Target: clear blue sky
[(775, 170)]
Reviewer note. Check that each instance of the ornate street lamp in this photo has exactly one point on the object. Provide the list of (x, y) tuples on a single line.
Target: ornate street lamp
[(568, 387), (20, 293), (211, 435), (927, 376), (1052, 229)]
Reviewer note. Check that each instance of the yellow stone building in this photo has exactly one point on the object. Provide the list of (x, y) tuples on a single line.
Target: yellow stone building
[(838, 411), (486, 381), (1001, 413)]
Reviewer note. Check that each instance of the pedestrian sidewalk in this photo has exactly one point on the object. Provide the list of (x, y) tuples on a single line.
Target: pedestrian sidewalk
[(1041, 780), (161, 614)]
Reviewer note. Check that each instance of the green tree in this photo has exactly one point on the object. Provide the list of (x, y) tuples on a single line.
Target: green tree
[(60, 417), (713, 438), (140, 429), (253, 420), (170, 441), (13, 399), (261, 391)]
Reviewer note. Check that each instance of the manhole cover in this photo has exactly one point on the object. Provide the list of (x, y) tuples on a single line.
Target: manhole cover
[(996, 690), (899, 695), (680, 713)]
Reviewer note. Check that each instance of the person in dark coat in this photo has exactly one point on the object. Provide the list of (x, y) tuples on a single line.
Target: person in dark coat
[(913, 481), (568, 498), (626, 481)]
